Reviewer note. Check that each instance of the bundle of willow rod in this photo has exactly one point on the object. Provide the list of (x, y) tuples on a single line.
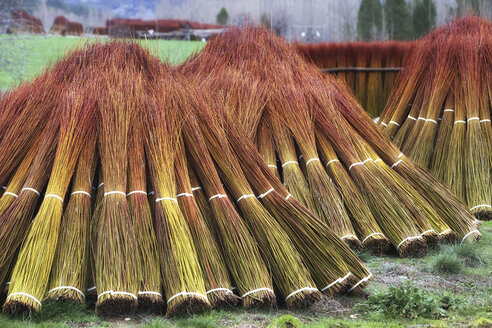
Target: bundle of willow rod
[(182, 275), (113, 239), (31, 272), (372, 87), (15, 221), (439, 111), (69, 274), (216, 276), (149, 275)]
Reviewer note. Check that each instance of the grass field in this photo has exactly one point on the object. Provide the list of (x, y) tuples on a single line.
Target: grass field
[(451, 287), (28, 55)]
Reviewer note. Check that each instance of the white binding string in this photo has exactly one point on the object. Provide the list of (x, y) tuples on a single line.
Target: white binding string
[(360, 163), (217, 196), (312, 159), (407, 239), (473, 231), (339, 280), (360, 282), (31, 189), (184, 194), (67, 287), (384, 124), (116, 192), (81, 192), (4, 187), (288, 196), (448, 110), (378, 160), (485, 120), (26, 295), (290, 162), (300, 157), (112, 293), (196, 188), (166, 198), (397, 162), (266, 193), (136, 192), (300, 290), (244, 196), (233, 288), (54, 196), (151, 193), (256, 290), (459, 121), (331, 161), (100, 185), (393, 122), (346, 236), (473, 119), (271, 165), (91, 289), (370, 235), (184, 294), (442, 233), (427, 231), (481, 205), (149, 293), (227, 290), (411, 117), (427, 120), (11, 194)]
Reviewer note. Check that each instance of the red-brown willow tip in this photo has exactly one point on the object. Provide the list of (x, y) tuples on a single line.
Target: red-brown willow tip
[(439, 110)]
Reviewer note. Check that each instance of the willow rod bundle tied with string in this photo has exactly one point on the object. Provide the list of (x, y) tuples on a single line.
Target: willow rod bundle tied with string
[(148, 268), (182, 275), (69, 274)]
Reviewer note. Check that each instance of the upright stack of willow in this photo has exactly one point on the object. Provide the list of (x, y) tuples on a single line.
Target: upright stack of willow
[(113, 241), (181, 272), (69, 274), (439, 111), (368, 68), (149, 275), (32, 270)]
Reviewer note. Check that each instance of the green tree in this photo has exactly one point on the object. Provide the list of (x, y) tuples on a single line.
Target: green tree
[(423, 17), (222, 16), (464, 7), (398, 19), (369, 20)]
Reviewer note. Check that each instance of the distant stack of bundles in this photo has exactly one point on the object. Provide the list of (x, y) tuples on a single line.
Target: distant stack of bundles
[(439, 111), (369, 68), (64, 26), (22, 22), (146, 186)]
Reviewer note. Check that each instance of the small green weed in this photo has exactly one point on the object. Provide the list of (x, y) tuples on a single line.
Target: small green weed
[(285, 321), (446, 264), (407, 301)]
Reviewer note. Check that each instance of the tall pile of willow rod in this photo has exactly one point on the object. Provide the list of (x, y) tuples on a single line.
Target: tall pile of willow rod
[(290, 275), (216, 277), (113, 239), (240, 250), (31, 272), (148, 268), (69, 275), (182, 275), (446, 81)]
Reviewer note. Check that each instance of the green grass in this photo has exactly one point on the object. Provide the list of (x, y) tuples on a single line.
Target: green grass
[(37, 51)]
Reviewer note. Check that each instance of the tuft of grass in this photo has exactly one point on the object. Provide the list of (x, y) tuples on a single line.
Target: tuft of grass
[(470, 255), (285, 321), (446, 264)]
